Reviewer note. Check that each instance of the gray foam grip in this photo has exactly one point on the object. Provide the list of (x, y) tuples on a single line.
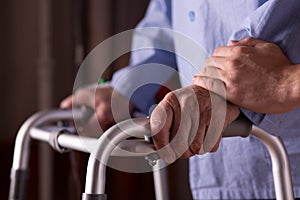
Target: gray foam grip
[(242, 127), (18, 184)]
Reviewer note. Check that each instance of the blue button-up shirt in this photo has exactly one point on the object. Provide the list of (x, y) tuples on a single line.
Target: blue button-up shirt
[(241, 168)]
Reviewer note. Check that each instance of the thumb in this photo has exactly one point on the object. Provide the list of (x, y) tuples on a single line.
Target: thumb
[(66, 103), (250, 41)]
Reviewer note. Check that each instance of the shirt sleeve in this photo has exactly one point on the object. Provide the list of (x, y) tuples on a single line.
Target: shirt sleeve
[(152, 60), (276, 21)]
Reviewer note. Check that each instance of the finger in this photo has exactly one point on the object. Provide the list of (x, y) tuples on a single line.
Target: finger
[(180, 134), (104, 117), (222, 51), (217, 145), (233, 42), (211, 139), (249, 41), (232, 51), (83, 97), (229, 51), (198, 126), (231, 115), (214, 85), (212, 72), (66, 103), (210, 61), (214, 123), (224, 66), (196, 140), (91, 129), (184, 126), (160, 123)]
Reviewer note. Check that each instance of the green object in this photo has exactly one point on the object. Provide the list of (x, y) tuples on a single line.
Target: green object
[(101, 81)]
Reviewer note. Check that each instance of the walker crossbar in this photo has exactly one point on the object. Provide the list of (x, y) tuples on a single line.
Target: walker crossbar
[(62, 139), (113, 143)]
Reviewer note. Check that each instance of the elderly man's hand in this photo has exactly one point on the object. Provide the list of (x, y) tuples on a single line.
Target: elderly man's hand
[(189, 121), (109, 105), (254, 73)]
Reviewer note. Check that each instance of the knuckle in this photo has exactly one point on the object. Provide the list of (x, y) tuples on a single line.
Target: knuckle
[(271, 45), (179, 147), (210, 83), (249, 39), (186, 155), (210, 61), (200, 92), (233, 62), (158, 119), (170, 97), (195, 148), (184, 95), (238, 50), (217, 50)]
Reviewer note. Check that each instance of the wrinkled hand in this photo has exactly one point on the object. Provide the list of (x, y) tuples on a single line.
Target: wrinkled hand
[(189, 121), (109, 105), (253, 72)]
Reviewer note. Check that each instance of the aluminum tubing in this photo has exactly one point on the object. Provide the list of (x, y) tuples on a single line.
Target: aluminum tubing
[(105, 145), (280, 164), (21, 151), (160, 180), (19, 169), (127, 148)]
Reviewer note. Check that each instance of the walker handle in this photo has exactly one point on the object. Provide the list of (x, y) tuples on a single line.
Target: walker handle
[(240, 127)]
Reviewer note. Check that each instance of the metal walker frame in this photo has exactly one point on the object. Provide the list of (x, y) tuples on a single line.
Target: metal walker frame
[(62, 140)]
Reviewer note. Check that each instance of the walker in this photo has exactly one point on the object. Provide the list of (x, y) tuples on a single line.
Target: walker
[(40, 127)]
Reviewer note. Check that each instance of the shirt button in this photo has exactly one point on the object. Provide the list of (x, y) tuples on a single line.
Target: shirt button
[(192, 16)]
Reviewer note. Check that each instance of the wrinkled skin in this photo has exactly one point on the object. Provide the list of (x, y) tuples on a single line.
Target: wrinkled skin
[(255, 75), (180, 122)]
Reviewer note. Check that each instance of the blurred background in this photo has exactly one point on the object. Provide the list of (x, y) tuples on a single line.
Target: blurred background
[(42, 44)]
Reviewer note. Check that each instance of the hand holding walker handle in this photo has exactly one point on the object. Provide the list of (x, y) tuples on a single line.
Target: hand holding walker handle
[(240, 127)]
